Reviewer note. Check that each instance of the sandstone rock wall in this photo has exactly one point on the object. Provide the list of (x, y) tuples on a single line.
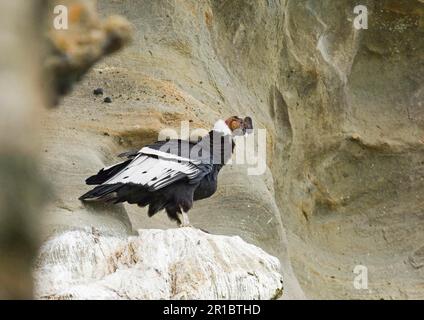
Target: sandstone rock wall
[(344, 118)]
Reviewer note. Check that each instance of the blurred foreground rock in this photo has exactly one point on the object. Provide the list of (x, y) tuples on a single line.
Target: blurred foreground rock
[(87, 39), (22, 190), (183, 263), (31, 78)]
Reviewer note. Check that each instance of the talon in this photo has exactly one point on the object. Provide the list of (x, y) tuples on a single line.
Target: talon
[(185, 225)]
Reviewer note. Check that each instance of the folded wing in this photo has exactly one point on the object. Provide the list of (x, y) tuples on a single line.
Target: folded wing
[(154, 166), (155, 169)]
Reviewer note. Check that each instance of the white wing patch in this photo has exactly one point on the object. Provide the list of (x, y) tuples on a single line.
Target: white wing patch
[(154, 173), (165, 155)]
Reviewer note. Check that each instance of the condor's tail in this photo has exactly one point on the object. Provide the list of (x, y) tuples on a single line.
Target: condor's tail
[(107, 173), (105, 192), (119, 192)]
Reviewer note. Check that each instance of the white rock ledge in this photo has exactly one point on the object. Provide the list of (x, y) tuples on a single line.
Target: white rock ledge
[(183, 263)]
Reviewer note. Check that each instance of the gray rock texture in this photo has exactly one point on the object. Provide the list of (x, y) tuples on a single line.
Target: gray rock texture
[(343, 110), (182, 263)]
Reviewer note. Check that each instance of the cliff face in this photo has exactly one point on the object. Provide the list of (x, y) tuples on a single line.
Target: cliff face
[(346, 108), (344, 119)]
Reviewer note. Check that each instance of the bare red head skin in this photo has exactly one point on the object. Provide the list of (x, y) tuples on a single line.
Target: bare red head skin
[(239, 126)]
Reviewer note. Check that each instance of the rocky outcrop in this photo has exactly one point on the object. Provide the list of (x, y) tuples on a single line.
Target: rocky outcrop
[(180, 263)]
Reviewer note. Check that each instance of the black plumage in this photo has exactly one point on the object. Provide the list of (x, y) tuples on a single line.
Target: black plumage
[(167, 175)]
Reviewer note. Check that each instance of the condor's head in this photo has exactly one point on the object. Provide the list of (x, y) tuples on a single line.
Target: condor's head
[(239, 126)]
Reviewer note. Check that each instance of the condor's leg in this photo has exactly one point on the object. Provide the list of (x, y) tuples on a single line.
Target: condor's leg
[(184, 201), (185, 221), (185, 206)]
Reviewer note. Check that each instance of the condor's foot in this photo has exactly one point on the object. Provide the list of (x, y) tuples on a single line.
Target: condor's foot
[(182, 225)]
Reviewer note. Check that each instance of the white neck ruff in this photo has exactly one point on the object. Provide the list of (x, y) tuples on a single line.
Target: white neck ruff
[(221, 126)]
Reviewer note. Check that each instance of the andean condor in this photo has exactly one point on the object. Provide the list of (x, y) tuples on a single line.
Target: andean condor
[(169, 174)]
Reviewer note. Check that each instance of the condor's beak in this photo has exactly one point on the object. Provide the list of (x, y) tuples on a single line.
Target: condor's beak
[(247, 125)]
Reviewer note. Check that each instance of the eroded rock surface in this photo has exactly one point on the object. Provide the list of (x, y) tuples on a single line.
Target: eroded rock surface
[(343, 109), (182, 263)]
